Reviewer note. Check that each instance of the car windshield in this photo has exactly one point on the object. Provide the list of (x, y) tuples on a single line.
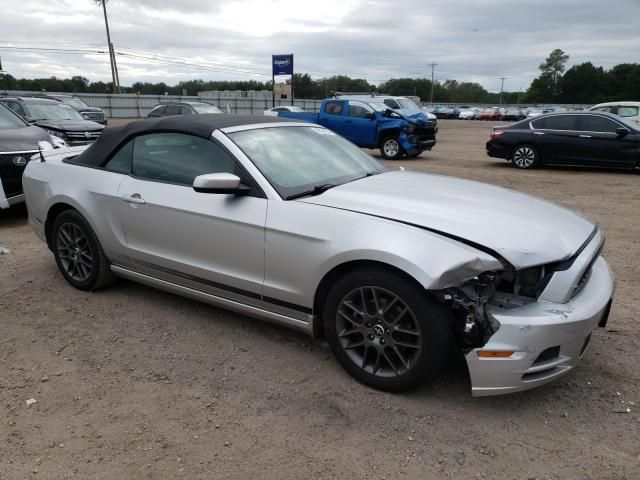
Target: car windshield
[(296, 160), (52, 111), (407, 104), (205, 108), (74, 102), (9, 119)]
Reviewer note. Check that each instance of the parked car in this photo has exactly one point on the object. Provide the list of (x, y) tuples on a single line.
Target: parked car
[(273, 112), (490, 114), (469, 114), (535, 112), (573, 138), (94, 114), (19, 141), (374, 125), (58, 119), (513, 114), (630, 111), (182, 108), (291, 223)]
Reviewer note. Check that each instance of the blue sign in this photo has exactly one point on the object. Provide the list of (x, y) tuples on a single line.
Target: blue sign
[(282, 64)]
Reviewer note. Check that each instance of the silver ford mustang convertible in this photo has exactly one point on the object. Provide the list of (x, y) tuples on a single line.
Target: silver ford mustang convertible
[(293, 224)]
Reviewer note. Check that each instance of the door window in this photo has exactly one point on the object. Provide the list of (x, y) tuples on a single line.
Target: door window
[(334, 108), (627, 111), (606, 109), (391, 103), (158, 110), (121, 161), (595, 123), (358, 110), (185, 110), (178, 158), (172, 110), (561, 122)]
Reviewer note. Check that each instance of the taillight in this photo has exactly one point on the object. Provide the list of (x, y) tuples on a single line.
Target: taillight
[(496, 133)]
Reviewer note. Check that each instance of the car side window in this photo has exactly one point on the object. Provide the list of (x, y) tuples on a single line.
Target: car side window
[(121, 161), (16, 107), (159, 110), (539, 124), (172, 110), (391, 103), (334, 108), (561, 122), (627, 111), (596, 123), (178, 158), (185, 111), (357, 110), (278, 109), (602, 109)]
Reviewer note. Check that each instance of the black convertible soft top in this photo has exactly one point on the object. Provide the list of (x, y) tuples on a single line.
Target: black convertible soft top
[(203, 125)]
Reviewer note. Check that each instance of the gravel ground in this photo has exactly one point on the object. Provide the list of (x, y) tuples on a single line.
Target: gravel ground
[(131, 382)]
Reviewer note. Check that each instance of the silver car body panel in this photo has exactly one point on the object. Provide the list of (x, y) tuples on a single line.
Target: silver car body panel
[(266, 257)]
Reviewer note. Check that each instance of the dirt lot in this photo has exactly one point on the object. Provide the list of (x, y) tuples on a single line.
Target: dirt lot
[(134, 383)]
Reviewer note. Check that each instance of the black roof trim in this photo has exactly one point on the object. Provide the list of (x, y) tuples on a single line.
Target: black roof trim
[(203, 126)]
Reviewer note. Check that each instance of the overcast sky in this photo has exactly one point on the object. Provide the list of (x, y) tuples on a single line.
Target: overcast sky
[(471, 40)]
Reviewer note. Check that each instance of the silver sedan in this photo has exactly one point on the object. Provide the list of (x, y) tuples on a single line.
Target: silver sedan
[(290, 223)]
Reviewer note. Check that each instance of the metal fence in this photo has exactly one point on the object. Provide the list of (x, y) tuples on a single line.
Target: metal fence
[(129, 105)]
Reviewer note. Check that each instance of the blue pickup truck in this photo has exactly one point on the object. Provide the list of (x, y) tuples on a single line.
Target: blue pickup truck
[(374, 125)]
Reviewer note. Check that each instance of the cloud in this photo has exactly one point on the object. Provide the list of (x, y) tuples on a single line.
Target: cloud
[(373, 39)]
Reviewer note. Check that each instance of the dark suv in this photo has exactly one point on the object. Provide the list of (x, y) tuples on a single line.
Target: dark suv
[(19, 141), (182, 108), (94, 114), (56, 118)]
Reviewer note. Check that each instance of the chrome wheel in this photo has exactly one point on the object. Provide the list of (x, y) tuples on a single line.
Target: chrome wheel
[(391, 147), (378, 332), (524, 157), (74, 252)]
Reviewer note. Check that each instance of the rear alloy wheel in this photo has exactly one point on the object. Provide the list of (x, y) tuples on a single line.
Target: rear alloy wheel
[(524, 156), (385, 331), (78, 252), (391, 149)]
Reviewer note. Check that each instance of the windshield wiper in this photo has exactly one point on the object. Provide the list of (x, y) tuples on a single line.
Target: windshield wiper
[(316, 190)]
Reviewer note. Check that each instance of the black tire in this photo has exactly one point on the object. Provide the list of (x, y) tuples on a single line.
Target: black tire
[(78, 252), (425, 317), (525, 157), (390, 148)]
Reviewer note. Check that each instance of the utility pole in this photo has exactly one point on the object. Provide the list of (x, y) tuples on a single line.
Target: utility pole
[(433, 69), (501, 87), (112, 56)]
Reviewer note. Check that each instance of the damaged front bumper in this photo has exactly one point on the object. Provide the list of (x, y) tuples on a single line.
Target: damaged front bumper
[(547, 338)]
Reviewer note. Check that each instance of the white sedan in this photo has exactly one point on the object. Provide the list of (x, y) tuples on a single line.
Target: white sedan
[(273, 112), (291, 223)]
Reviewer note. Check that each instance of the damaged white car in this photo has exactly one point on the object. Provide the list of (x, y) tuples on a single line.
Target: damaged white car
[(293, 224)]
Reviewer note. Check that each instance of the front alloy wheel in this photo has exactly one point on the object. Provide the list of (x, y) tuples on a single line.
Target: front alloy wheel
[(524, 156), (378, 331), (385, 329)]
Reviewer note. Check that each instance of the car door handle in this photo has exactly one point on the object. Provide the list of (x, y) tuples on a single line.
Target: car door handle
[(585, 136), (538, 133), (133, 198)]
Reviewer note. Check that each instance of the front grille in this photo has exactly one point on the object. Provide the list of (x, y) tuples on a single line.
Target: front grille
[(93, 116), (7, 158), (424, 132), (82, 138)]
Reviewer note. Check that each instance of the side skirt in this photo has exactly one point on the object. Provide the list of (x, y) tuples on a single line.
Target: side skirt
[(234, 305)]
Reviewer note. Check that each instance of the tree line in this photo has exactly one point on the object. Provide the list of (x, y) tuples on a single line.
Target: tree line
[(582, 83)]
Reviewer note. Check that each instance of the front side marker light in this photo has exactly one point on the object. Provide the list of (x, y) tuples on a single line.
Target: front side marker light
[(495, 353)]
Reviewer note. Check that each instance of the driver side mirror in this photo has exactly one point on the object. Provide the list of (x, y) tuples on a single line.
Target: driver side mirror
[(622, 132), (370, 115), (219, 183)]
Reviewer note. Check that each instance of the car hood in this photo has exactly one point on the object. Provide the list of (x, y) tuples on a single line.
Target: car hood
[(21, 139), (418, 116), (70, 125), (524, 230)]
